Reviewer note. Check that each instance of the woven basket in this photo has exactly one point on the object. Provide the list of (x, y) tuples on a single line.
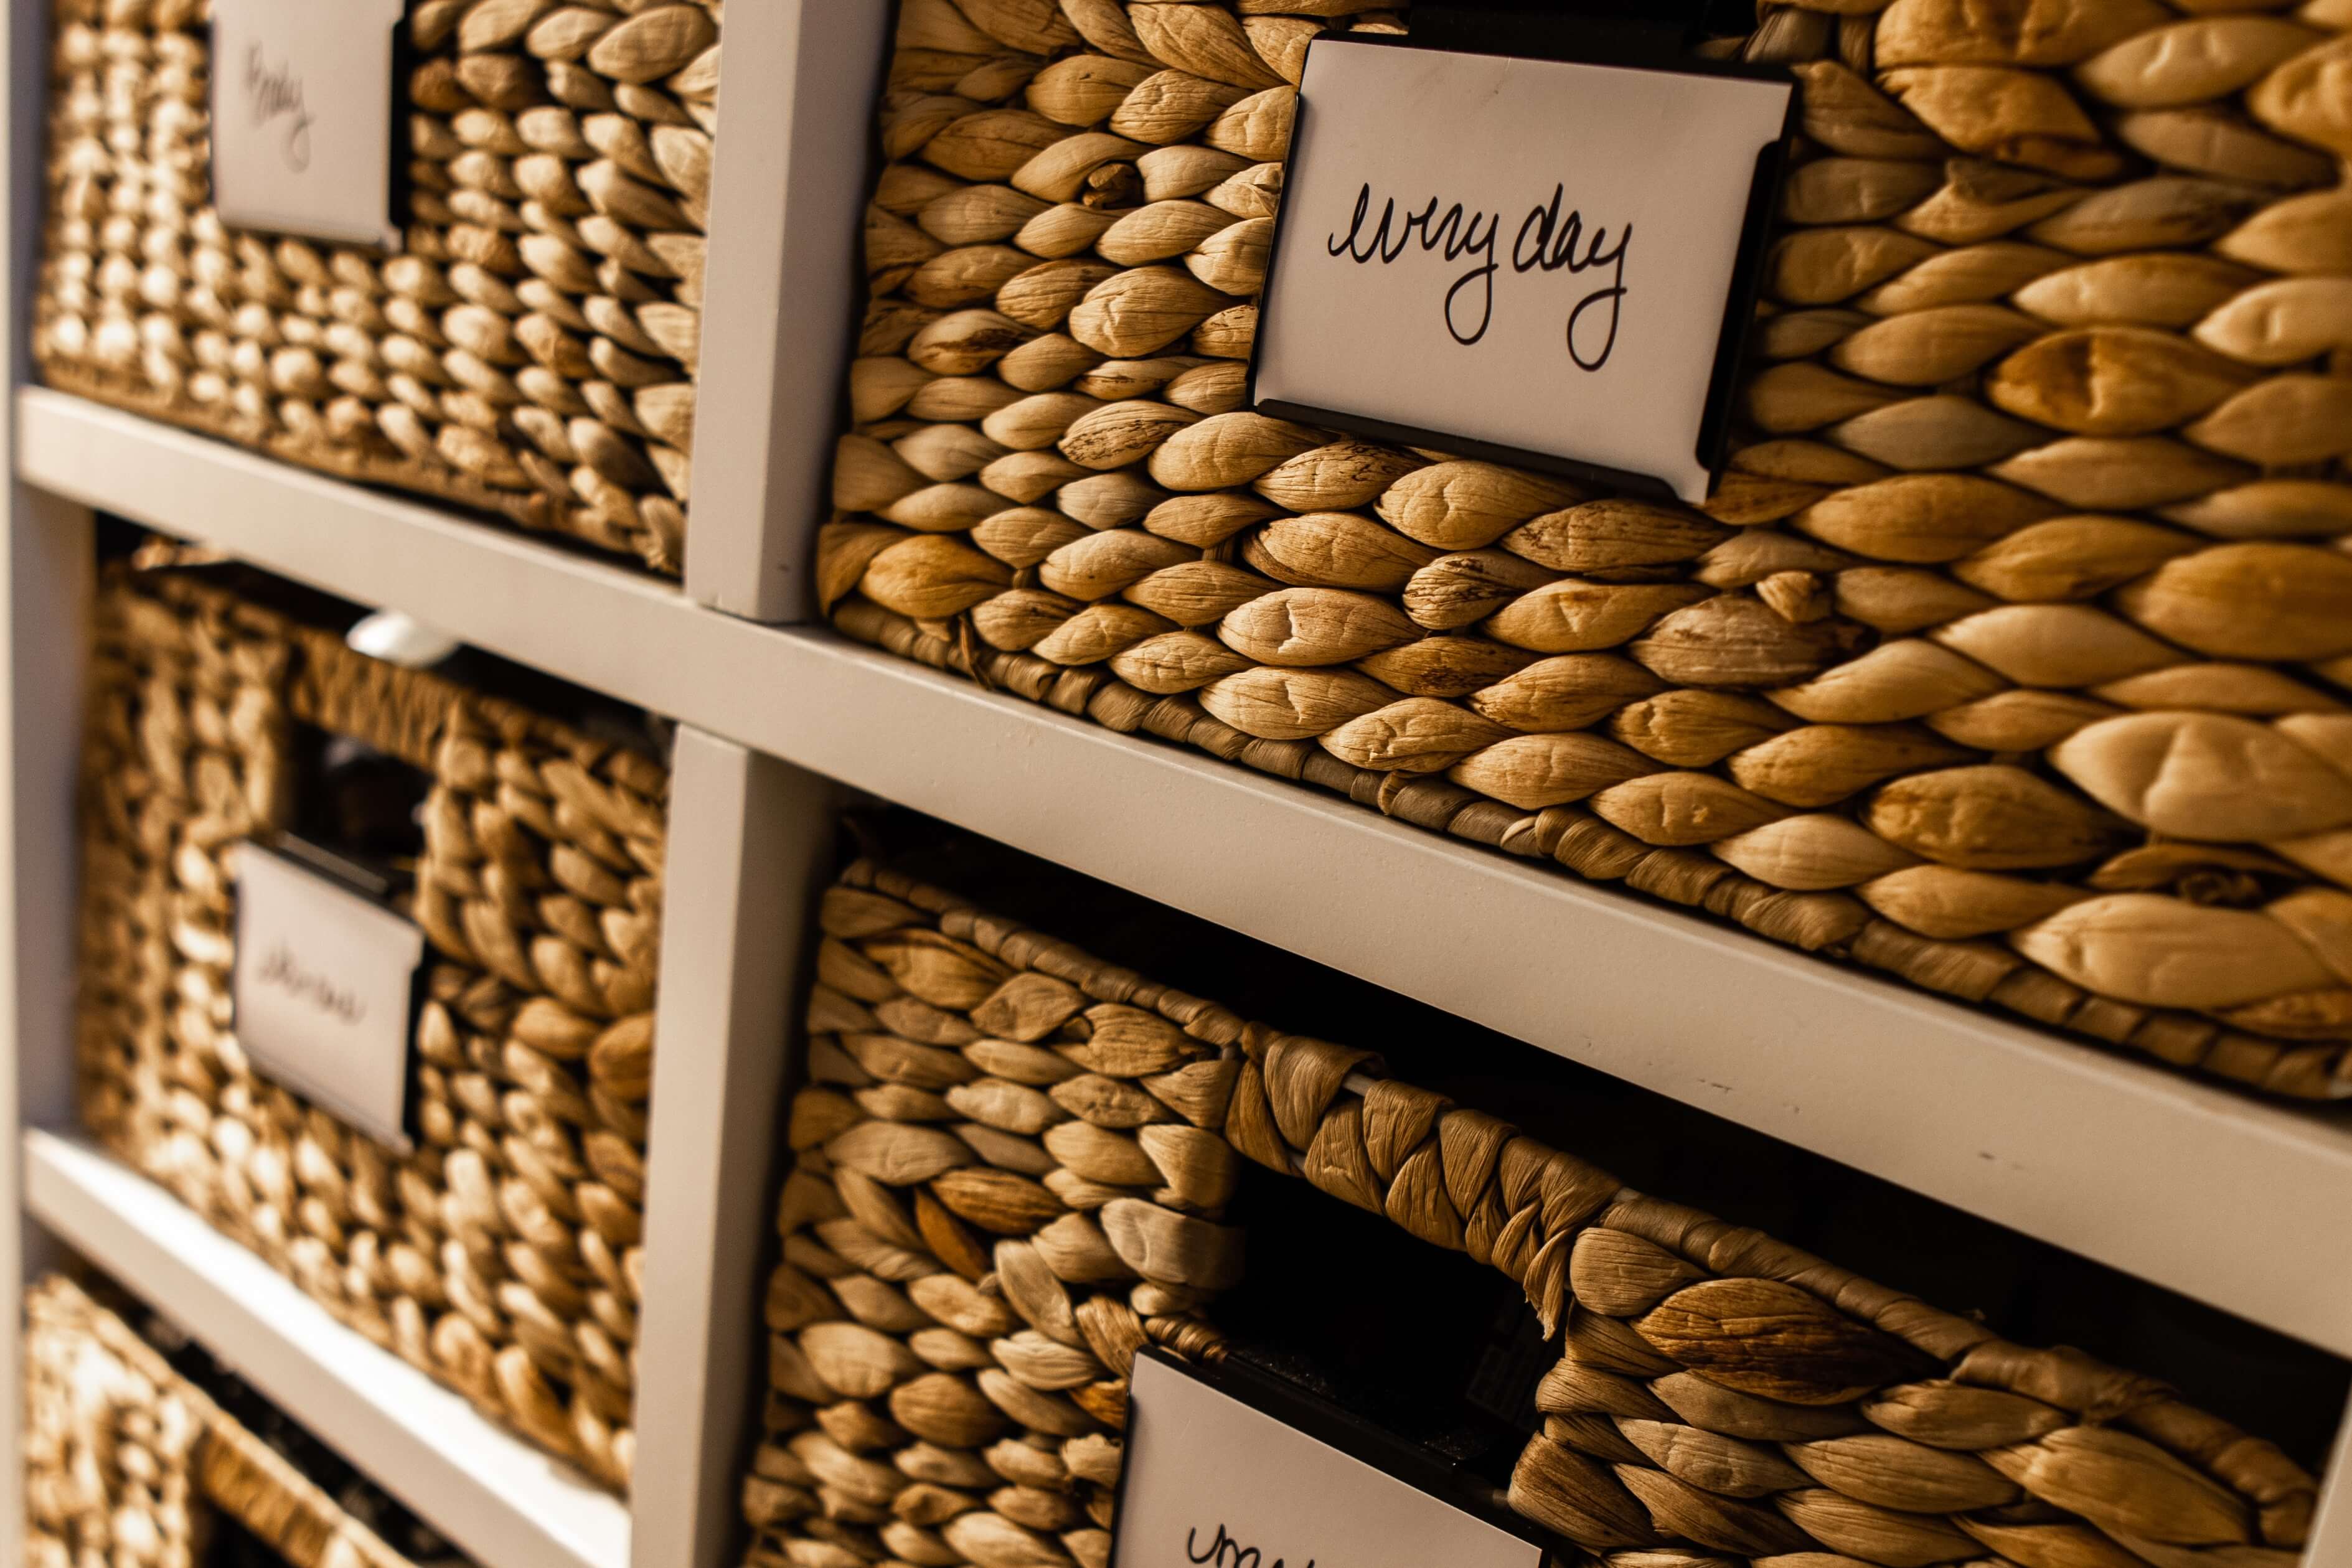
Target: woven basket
[(2009, 656), (128, 1462), (1013, 1164), (530, 350), (503, 1256)]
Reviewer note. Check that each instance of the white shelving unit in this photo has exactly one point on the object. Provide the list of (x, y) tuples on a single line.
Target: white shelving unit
[(2216, 1194)]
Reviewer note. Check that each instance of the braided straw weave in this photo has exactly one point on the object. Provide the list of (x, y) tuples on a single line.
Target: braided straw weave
[(126, 1461), (530, 349), (503, 1256), (1011, 1163), (2008, 657)]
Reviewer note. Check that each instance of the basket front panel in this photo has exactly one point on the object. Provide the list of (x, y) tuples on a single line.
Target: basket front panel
[(503, 1255), (1012, 1164), (2009, 656), (111, 1447), (529, 347), (128, 1462)]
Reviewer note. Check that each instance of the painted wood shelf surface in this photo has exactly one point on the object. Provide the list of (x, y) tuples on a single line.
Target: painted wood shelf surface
[(2082, 1148)]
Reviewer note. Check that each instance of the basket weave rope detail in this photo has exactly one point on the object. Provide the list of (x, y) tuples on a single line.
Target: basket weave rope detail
[(1011, 1162), (529, 347), (126, 1461), (2009, 655), (503, 1256)]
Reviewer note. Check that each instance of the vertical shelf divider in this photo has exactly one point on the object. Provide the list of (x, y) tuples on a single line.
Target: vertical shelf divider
[(49, 552), (795, 144), (751, 841), (2331, 1533), (47, 566)]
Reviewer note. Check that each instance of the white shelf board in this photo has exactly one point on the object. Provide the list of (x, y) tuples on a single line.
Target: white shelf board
[(2197, 1187), (502, 1500)]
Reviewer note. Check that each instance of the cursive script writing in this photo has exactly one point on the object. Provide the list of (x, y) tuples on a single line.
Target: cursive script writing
[(276, 95), (283, 970), (1227, 1552), (1546, 242)]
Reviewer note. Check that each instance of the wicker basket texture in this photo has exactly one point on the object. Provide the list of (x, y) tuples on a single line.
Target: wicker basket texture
[(2009, 655), (503, 1256), (128, 1462), (529, 347), (1012, 1165)]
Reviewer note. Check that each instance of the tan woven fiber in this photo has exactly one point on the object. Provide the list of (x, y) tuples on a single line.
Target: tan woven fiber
[(529, 347), (503, 1256), (2008, 657), (126, 1461), (1013, 1161)]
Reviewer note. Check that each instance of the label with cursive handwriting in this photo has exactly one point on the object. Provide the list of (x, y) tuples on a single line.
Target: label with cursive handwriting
[(304, 117), (1531, 259), (324, 987), (1212, 1479)]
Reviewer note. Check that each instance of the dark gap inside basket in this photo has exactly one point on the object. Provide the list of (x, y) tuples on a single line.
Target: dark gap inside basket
[(1356, 1266), (1427, 1344), (232, 1546), (360, 804), (593, 714), (1573, 29)]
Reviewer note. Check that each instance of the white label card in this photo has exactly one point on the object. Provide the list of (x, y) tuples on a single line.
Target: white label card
[(323, 987), (1537, 256), (1213, 1482), (302, 117)]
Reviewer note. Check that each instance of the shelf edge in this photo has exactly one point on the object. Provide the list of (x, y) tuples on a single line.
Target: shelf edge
[(2191, 1185), (493, 1495)]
